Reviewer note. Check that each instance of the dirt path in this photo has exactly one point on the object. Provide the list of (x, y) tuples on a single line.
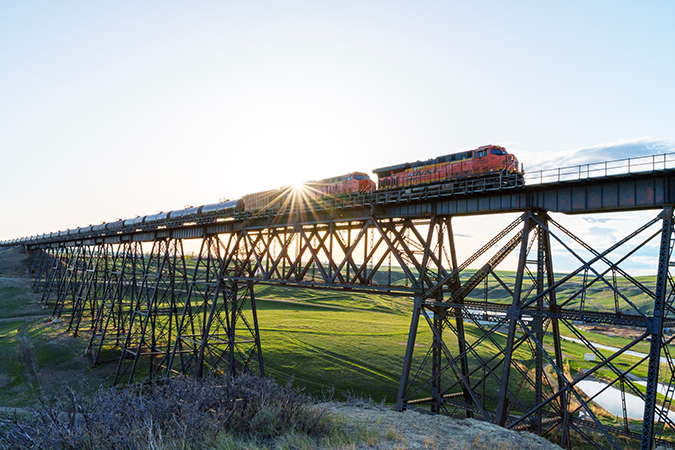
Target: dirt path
[(27, 317)]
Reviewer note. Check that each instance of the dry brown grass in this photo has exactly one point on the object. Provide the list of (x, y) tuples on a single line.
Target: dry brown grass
[(183, 413)]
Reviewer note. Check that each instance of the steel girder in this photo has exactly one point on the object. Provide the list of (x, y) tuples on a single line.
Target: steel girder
[(94, 268), (358, 255), (496, 341), (71, 278), (37, 268), (55, 268), (144, 306), (125, 268), (663, 305), (217, 332), (517, 375), (155, 313)]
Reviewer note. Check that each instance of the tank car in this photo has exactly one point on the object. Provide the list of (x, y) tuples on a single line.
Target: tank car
[(184, 214), (487, 161), (134, 223), (114, 226), (155, 218), (85, 230), (98, 228), (226, 207)]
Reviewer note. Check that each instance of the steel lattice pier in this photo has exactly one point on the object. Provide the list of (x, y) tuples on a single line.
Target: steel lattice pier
[(496, 351)]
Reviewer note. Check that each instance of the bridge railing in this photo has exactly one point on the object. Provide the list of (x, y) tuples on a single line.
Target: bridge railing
[(651, 163)]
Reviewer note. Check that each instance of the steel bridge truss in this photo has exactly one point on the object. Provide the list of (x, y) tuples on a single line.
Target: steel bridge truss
[(483, 342)]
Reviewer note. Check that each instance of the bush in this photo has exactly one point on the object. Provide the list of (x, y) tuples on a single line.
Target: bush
[(183, 413)]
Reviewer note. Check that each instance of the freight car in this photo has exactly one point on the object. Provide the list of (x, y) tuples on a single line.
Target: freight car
[(191, 214), (490, 162), (161, 219), (266, 200)]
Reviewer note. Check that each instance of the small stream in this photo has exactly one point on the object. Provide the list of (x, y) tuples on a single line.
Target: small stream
[(614, 349)]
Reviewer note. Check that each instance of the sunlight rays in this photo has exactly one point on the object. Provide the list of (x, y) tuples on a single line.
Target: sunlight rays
[(300, 200)]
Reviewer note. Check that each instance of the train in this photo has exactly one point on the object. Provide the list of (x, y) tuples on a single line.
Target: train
[(490, 163)]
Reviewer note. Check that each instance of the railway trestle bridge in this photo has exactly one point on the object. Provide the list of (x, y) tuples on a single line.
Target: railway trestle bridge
[(497, 351)]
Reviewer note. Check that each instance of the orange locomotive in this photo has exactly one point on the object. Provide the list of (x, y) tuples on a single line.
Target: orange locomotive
[(343, 184), (490, 161)]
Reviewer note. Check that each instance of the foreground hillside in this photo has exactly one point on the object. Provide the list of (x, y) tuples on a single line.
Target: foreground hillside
[(248, 412), (412, 430)]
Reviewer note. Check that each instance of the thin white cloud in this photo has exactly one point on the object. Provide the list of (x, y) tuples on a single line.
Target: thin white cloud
[(643, 262), (621, 149), (604, 220), (463, 235)]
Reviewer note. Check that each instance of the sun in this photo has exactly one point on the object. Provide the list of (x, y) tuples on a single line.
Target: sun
[(299, 186)]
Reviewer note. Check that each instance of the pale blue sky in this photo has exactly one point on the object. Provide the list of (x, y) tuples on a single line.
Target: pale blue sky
[(113, 109)]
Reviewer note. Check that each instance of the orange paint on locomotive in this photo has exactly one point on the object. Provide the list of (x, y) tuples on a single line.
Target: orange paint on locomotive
[(344, 184), (475, 163)]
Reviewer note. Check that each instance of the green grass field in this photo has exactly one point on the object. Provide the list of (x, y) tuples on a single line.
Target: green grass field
[(352, 342)]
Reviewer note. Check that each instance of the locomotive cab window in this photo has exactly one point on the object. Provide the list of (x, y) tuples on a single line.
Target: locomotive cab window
[(496, 151), (480, 153)]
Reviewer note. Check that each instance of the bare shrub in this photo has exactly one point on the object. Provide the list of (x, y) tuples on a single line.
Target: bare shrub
[(183, 413)]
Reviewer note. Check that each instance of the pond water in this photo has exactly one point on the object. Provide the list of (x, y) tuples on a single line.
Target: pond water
[(610, 399)]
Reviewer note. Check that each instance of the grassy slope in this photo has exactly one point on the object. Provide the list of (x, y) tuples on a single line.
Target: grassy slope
[(38, 357), (352, 350)]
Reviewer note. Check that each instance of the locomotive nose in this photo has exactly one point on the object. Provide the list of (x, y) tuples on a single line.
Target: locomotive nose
[(366, 185)]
